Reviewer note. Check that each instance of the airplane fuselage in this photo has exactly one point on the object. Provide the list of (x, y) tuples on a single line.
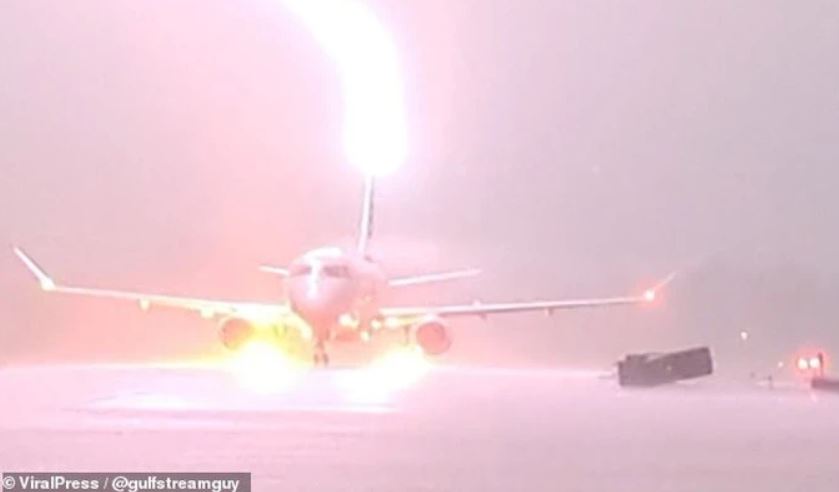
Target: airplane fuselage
[(335, 293)]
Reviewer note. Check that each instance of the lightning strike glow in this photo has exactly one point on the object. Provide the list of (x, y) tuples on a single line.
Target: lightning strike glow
[(374, 121)]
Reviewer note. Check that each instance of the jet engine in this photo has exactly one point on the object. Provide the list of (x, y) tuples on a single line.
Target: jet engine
[(432, 335), (235, 332)]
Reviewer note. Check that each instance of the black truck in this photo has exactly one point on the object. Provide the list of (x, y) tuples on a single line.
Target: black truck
[(653, 369)]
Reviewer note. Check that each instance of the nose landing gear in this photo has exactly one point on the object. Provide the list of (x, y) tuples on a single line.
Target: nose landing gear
[(321, 358)]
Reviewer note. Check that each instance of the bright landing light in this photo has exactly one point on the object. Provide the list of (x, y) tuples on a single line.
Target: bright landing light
[(263, 367), (374, 120)]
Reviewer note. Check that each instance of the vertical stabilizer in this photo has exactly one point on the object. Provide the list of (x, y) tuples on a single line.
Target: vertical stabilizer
[(365, 228)]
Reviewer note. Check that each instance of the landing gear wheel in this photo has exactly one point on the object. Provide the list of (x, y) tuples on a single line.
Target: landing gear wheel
[(321, 358)]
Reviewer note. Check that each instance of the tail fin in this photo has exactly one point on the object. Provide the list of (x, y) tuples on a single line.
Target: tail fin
[(365, 227)]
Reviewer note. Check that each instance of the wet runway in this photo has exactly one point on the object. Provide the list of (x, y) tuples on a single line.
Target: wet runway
[(449, 429)]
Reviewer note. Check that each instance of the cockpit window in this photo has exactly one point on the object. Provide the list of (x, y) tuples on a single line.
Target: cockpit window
[(336, 271), (333, 271)]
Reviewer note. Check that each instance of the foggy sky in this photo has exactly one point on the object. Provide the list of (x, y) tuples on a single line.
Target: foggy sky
[(568, 148)]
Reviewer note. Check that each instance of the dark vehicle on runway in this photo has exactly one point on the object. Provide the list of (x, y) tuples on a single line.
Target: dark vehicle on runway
[(653, 369)]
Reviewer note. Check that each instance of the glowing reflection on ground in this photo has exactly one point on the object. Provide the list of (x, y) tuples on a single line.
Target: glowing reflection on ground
[(398, 369), (264, 367)]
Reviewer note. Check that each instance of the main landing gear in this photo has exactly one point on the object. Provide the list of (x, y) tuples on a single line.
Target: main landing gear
[(321, 358)]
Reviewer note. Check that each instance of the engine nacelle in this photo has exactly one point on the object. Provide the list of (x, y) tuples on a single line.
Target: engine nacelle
[(432, 335), (235, 332)]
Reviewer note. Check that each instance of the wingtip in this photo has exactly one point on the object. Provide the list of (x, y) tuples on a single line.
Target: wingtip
[(666, 280), (46, 282), (651, 294)]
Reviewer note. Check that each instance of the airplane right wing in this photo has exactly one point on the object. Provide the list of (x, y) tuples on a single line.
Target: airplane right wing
[(479, 309), (208, 308)]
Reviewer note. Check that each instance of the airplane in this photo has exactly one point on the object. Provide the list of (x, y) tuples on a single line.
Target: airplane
[(335, 295)]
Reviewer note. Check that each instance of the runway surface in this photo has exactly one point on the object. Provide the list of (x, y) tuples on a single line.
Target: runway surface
[(450, 429)]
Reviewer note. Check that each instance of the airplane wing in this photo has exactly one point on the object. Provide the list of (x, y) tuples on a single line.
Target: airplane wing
[(480, 309), (429, 278), (208, 308)]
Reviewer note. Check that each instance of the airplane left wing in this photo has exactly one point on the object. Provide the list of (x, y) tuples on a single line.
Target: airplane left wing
[(479, 309), (208, 308)]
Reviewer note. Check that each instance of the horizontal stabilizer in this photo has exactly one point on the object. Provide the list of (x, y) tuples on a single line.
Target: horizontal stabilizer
[(433, 277), (283, 272)]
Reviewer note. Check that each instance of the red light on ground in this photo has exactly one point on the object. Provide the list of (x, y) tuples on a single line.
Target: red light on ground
[(809, 363)]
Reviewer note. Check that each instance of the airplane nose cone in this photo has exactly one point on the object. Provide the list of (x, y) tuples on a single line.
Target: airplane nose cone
[(321, 314), (313, 309), (320, 302)]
